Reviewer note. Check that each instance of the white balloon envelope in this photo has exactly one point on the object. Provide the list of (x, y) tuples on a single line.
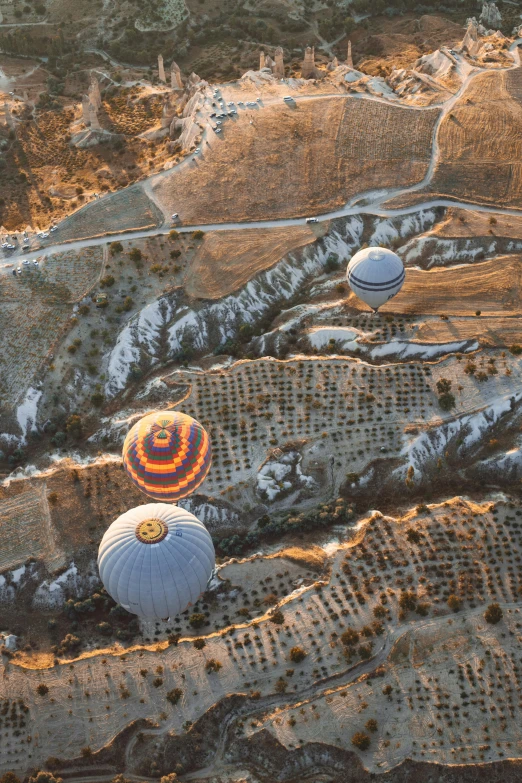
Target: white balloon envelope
[(155, 560), (375, 275)]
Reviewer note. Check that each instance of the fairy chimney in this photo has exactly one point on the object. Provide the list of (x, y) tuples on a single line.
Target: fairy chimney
[(161, 69), (176, 82), (262, 61), (349, 57), (308, 70), (94, 92), (279, 67)]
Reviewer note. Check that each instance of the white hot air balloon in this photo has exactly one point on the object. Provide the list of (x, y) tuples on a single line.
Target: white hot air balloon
[(375, 274), (155, 560)]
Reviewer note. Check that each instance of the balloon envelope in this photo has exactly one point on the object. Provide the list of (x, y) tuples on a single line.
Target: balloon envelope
[(167, 455), (375, 275), (155, 560)]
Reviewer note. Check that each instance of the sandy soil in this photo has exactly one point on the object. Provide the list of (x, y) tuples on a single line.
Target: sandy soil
[(493, 287), (227, 260), (249, 172), (493, 332)]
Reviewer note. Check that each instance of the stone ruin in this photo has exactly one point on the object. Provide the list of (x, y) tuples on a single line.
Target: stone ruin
[(490, 17)]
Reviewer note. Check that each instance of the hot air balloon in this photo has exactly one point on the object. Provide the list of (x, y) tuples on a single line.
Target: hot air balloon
[(155, 560), (167, 455), (375, 274)]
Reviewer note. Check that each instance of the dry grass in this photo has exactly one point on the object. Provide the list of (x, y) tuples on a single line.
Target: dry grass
[(493, 287), (481, 143), (465, 223), (492, 332), (300, 161), (314, 558), (226, 260)]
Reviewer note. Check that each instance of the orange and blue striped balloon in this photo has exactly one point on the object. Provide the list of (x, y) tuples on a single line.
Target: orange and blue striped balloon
[(167, 455)]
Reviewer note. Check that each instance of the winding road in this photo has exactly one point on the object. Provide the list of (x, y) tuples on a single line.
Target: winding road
[(365, 203)]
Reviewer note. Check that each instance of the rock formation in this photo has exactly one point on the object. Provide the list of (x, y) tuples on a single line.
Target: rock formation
[(89, 113), (94, 93), (262, 61), (7, 116), (349, 58), (490, 17), (279, 67), (176, 81), (161, 69), (471, 44), (308, 70), (333, 64)]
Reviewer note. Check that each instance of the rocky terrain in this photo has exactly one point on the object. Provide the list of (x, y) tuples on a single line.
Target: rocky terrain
[(365, 493)]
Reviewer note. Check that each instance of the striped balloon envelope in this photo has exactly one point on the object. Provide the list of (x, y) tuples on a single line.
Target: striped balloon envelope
[(375, 275), (167, 455)]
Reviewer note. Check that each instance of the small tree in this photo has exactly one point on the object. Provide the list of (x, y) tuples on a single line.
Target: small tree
[(196, 620), (493, 614), (361, 740), (350, 637), (454, 603), (135, 255), (174, 695), (213, 666), (115, 247), (297, 654)]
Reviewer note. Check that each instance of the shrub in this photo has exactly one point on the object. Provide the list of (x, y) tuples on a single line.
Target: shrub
[(446, 401), (371, 725), (86, 752), (9, 777), (493, 614), (454, 603), (44, 777), (97, 399), (515, 349), (53, 498), (157, 682), (115, 247), (84, 309), (297, 654), (107, 281), (135, 254), (277, 617), (196, 620), (199, 644), (413, 536), (443, 386), (42, 689), (281, 685), (173, 234), (198, 234), (74, 426), (361, 740), (213, 666), (170, 778), (174, 695), (350, 637)]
